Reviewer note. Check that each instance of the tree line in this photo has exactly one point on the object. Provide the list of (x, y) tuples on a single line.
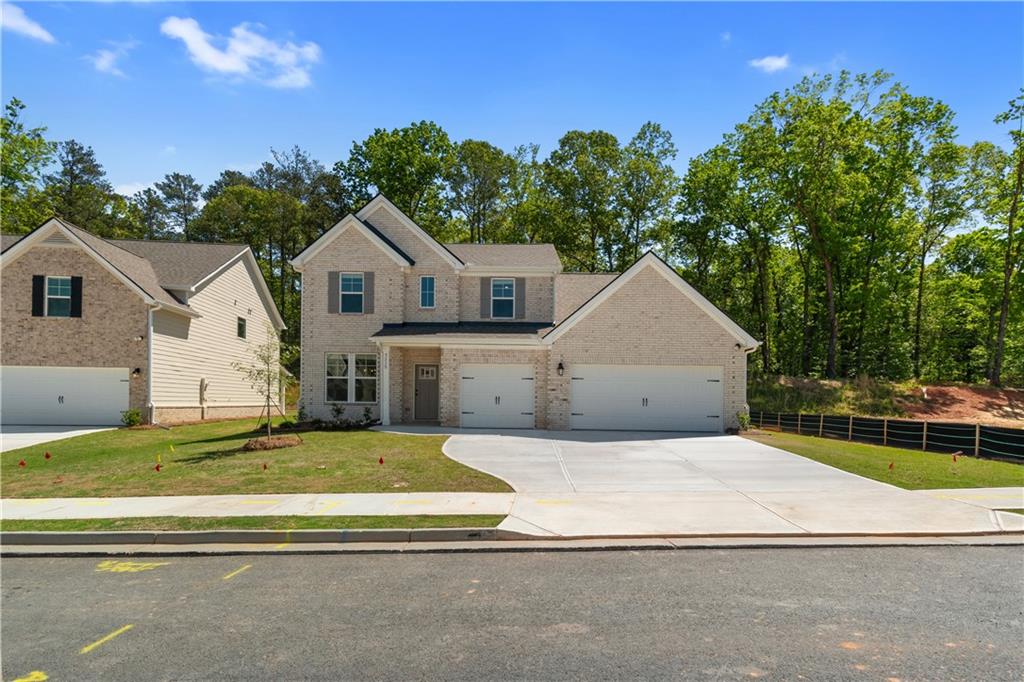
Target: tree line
[(843, 223)]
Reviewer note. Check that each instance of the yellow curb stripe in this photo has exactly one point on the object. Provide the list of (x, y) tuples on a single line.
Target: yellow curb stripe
[(232, 574), (104, 640), (34, 676)]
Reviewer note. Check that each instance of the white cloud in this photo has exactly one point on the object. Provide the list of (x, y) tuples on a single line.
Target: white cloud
[(130, 188), (725, 37), (771, 64), (13, 18), (246, 54), (105, 59), (170, 150)]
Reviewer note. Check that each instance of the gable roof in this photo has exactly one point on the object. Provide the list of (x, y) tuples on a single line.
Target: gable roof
[(153, 268), (651, 260), (522, 256), (573, 289), (367, 230), (381, 200)]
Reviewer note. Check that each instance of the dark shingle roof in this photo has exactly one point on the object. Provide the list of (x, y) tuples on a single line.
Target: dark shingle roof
[(476, 328), (180, 265), (383, 237), (507, 255)]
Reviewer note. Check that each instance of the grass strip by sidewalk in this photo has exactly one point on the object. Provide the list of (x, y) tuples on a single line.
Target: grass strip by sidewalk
[(208, 459), (254, 523), (911, 469)]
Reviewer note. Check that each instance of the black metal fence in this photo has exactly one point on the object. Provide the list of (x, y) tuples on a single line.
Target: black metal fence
[(995, 442)]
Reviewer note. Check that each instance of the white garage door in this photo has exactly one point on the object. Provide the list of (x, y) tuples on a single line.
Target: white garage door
[(496, 396), (63, 395), (647, 398)]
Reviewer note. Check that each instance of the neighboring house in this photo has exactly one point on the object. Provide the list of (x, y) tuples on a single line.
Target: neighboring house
[(496, 336), (90, 327)]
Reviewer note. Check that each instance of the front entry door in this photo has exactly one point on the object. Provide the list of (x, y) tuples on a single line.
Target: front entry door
[(426, 392)]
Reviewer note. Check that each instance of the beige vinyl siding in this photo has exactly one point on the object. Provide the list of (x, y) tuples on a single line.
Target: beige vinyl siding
[(188, 350)]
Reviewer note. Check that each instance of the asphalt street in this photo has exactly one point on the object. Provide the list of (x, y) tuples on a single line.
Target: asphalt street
[(857, 613)]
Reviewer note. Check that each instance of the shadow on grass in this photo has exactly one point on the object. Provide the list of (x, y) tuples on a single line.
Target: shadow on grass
[(211, 456)]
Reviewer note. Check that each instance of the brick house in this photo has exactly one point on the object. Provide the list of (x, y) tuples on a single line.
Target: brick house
[(497, 336), (90, 327)]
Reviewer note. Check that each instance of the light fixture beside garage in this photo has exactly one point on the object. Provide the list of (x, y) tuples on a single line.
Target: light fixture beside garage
[(136, 372), (561, 369)]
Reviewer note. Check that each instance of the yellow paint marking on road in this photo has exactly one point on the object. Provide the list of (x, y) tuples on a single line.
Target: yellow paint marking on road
[(329, 505), (112, 566), (34, 676), (232, 574), (287, 540), (259, 501), (103, 640)]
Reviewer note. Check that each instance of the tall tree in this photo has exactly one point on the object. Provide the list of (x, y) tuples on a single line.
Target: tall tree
[(582, 177), (408, 165), (151, 212), (646, 189), (180, 193), (1006, 184), (78, 189), (479, 177), (25, 153), (227, 178)]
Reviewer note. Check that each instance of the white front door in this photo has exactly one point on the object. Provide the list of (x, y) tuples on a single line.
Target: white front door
[(496, 396), (87, 396), (647, 398)]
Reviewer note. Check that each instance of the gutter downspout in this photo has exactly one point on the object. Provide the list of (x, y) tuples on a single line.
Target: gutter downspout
[(149, 368)]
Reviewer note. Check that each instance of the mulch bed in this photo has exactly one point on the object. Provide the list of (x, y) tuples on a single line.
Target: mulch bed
[(272, 443)]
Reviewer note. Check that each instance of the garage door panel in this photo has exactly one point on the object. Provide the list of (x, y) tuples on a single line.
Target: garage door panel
[(647, 398), (497, 396), (87, 396)]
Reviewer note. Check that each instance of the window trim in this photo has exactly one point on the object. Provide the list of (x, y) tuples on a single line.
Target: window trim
[(361, 293), (241, 325), (47, 296), (503, 298), (350, 379), (433, 292)]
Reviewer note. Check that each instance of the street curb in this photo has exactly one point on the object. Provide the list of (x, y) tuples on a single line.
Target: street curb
[(225, 537)]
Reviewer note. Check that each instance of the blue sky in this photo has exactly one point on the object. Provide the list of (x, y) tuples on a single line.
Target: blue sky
[(199, 87)]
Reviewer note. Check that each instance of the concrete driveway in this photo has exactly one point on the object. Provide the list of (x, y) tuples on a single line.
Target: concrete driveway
[(616, 483), (13, 437)]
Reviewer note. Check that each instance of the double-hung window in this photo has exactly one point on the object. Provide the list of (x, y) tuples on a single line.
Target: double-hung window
[(58, 297), (351, 292), (427, 291), (351, 378), (240, 327), (503, 298)]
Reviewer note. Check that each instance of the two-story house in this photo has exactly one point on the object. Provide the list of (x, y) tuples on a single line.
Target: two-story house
[(497, 336), (93, 327)]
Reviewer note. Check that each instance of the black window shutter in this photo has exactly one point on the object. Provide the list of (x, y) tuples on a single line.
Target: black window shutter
[(38, 295), (76, 297)]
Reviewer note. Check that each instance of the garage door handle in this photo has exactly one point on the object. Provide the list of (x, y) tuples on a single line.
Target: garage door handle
[(469, 413), (714, 381), (60, 400)]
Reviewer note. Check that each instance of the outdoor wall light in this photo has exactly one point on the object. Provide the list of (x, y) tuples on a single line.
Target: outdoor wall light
[(561, 369), (136, 372), (139, 338)]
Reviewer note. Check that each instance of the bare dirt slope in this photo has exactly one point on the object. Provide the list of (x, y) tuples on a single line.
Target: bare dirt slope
[(995, 406)]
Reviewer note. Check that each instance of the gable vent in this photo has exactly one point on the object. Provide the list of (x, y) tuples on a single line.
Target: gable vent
[(56, 239)]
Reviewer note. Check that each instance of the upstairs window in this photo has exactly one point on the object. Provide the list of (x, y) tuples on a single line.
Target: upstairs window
[(351, 292), (427, 291), (241, 328), (58, 297), (503, 298)]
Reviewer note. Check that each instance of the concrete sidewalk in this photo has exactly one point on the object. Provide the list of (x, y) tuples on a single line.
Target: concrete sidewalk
[(350, 504)]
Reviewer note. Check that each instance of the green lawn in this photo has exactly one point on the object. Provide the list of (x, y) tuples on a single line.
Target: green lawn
[(254, 522), (912, 469), (207, 459)]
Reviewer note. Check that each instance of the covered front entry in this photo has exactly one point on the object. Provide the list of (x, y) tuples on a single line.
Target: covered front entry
[(87, 396), (647, 398), (496, 396)]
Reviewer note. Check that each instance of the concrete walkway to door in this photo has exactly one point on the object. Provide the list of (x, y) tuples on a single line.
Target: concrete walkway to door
[(620, 483)]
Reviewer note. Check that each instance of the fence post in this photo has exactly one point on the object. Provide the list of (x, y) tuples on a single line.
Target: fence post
[(849, 435), (924, 436), (885, 431), (798, 415), (977, 439), (778, 421), (821, 424)]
